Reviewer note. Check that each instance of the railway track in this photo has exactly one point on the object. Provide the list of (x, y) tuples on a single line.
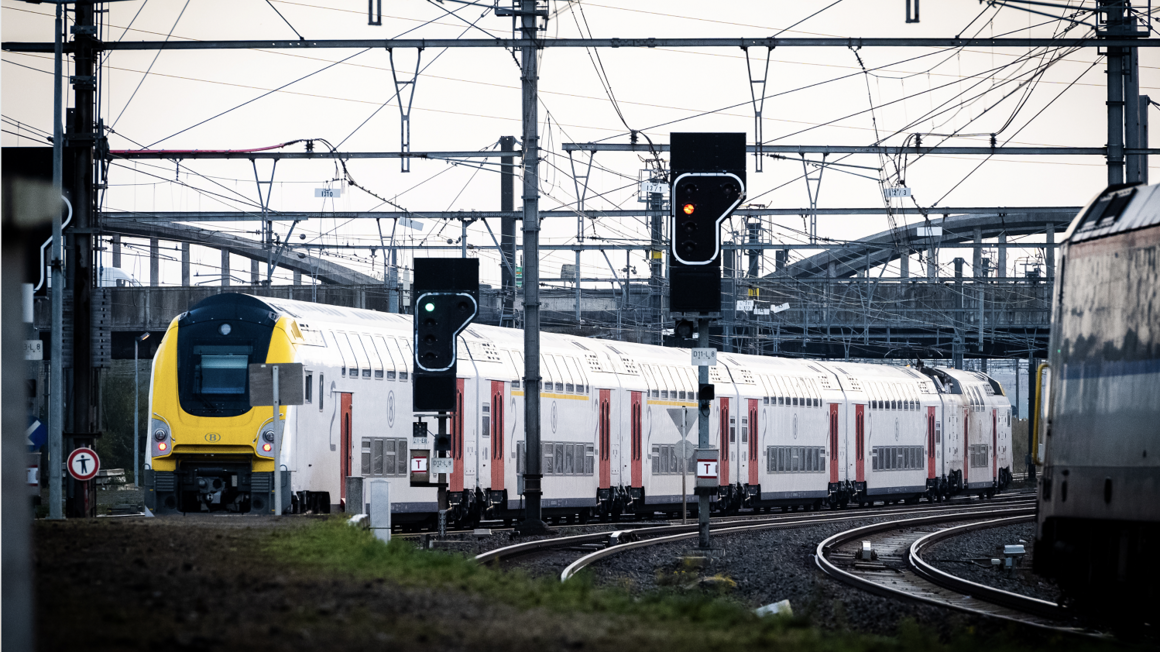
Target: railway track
[(599, 545), (896, 568), (629, 521)]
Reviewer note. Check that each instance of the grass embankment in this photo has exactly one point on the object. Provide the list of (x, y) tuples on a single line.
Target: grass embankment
[(668, 621)]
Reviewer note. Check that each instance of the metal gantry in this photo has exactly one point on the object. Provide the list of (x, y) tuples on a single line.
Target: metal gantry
[(1126, 155)]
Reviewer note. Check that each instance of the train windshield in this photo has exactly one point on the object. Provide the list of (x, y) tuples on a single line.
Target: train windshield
[(220, 370)]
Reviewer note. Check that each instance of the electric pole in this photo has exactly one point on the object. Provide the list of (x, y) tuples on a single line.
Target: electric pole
[(507, 191), (529, 76)]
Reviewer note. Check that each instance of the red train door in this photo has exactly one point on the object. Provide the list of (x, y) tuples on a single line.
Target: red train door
[(860, 443), (753, 442), (833, 442), (724, 437), (930, 442), (456, 481), (605, 438), (637, 444), (966, 443), (497, 449), (347, 441), (994, 444)]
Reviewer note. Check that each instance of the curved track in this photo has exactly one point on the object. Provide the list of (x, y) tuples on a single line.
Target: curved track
[(898, 570), (606, 543)]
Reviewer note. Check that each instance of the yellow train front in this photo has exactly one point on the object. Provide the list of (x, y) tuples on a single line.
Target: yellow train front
[(208, 449)]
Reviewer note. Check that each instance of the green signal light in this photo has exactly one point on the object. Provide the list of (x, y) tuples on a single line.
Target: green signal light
[(429, 307)]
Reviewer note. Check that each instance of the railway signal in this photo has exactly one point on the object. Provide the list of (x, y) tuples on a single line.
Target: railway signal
[(446, 301), (708, 184)]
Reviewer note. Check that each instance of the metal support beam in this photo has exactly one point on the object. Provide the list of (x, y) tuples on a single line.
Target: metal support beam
[(407, 85), (55, 460), (185, 264), (1132, 108), (757, 95), (1114, 10), (876, 150), (186, 154), (154, 262), (647, 43), (507, 228), (813, 188), (533, 522), (578, 214)]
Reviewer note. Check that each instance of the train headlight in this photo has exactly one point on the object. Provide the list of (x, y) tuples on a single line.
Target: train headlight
[(224, 329), (162, 437), (267, 447), (268, 435)]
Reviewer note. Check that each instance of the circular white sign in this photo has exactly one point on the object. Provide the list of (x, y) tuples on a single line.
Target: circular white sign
[(83, 464)]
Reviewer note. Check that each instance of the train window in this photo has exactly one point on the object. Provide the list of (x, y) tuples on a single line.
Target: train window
[(588, 458), (570, 388), (664, 393), (569, 459), (515, 385), (377, 457), (402, 376), (386, 355), (321, 391), (366, 455), (559, 461), (519, 457), (780, 401), (308, 395)]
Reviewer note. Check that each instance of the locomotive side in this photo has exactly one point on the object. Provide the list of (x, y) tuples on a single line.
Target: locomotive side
[(1100, 402)]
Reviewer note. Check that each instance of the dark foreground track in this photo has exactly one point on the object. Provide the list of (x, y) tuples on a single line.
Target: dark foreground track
[(898, 570)]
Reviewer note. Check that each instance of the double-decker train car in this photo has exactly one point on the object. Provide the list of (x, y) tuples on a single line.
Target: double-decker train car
[(1097, 431), (791, 433)]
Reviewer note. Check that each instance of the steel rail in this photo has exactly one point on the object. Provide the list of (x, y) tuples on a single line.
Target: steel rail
[(531, 546), (983, 592), (763, 524), (853, 579), (648, 43)]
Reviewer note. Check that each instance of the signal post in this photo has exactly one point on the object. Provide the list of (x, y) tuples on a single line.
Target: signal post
[(707, 185), (446, 301)]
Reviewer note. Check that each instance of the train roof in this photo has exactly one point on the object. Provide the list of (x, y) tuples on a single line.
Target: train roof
[(626, 354), (1118, 209)]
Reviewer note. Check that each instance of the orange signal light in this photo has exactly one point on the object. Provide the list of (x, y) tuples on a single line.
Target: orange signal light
[(266, 447), (162, 446), (688, 209)]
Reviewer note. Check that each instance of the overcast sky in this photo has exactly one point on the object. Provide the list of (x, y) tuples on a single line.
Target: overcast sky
[(466, 99)]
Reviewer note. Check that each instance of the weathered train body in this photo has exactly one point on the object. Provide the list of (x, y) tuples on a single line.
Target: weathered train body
[(1099, 430), (790, 432)]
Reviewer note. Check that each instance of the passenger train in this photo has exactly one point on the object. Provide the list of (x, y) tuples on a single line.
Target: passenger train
[(791, 433), (1098, 413)]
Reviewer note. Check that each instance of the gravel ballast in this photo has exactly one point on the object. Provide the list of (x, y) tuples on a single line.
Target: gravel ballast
[(969, 556)]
